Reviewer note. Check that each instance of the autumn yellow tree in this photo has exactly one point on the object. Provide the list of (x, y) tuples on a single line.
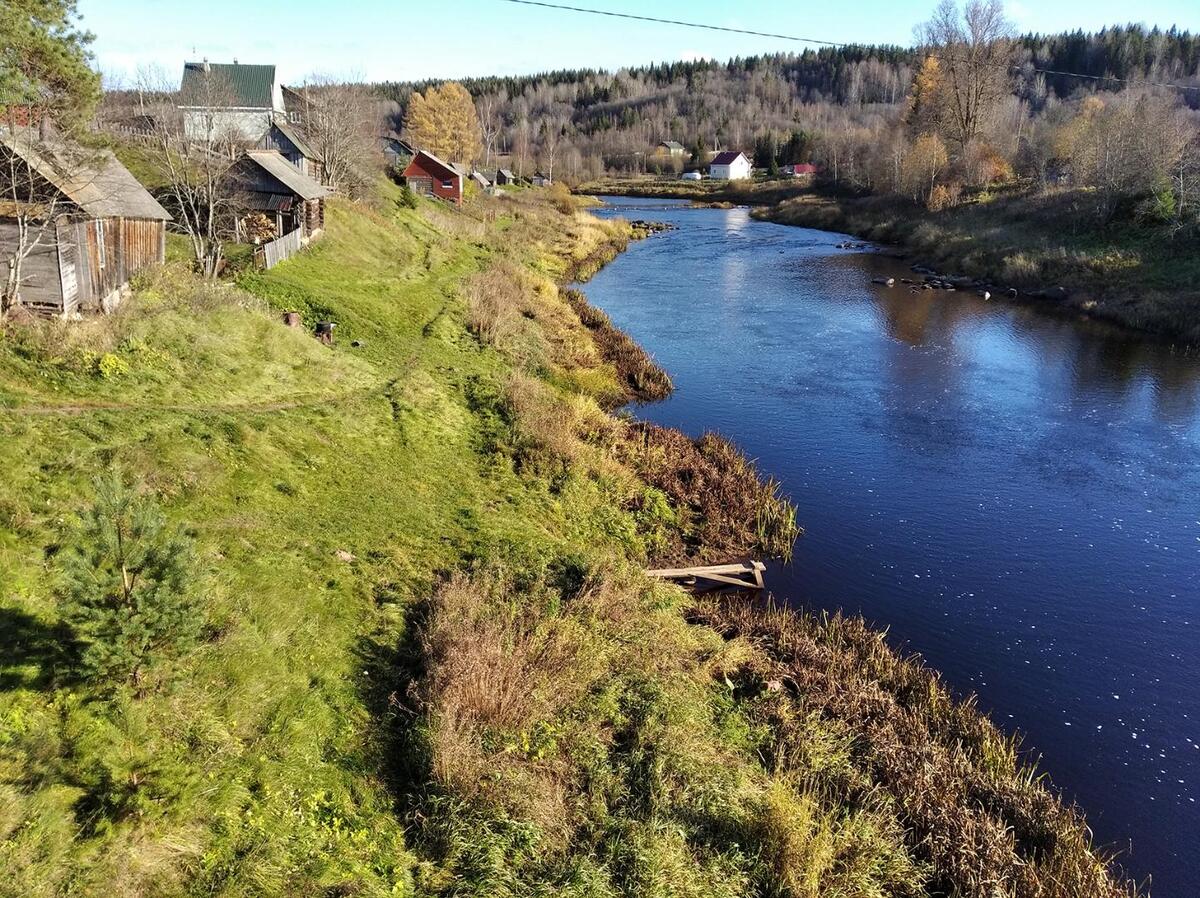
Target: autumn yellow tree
[(925, 161), (443, 121)]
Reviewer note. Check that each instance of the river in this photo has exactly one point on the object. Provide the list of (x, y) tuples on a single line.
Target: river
[(1012, 494)]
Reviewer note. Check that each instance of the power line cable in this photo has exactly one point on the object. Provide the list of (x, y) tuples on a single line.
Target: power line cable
[(836, 44)]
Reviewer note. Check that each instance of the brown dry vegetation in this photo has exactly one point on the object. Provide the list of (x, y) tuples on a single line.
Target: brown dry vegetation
[(725, 506), (642, 378), (984, 821)]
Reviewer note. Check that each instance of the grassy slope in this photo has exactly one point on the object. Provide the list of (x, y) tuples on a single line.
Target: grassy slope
[(251, 768), (545, 723)]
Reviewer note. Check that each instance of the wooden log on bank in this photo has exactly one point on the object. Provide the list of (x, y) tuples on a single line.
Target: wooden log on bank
[(742, 575)]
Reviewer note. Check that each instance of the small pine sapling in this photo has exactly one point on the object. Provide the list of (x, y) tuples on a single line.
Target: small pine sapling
[(126, 587)]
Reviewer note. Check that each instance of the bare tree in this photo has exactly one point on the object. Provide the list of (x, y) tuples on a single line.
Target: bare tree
[(195, 145), (342, 123), (489, 125), (974, 49)]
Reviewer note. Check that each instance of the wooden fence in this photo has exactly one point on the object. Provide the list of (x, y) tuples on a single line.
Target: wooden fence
[(271, 254)]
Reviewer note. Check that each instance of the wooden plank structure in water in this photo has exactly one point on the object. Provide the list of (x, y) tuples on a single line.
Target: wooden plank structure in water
[(741, 575)]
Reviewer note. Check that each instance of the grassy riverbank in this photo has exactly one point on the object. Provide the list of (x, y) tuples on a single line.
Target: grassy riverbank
[(431, 664), (1137, 275)]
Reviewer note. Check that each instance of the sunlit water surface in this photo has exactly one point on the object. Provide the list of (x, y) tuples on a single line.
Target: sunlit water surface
[(1014, 495)]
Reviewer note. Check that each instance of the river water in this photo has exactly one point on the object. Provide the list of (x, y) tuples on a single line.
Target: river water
[(1013, 495)]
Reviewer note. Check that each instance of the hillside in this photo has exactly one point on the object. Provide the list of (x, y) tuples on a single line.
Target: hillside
[(430, 663)]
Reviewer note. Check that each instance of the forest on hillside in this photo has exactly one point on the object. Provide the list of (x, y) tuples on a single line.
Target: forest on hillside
[(854, 110)]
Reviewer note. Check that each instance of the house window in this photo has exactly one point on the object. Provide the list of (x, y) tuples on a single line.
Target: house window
[(447, 185), (99, 226), (294, 117)]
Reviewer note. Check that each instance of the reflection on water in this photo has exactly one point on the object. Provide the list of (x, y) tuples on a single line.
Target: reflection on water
[(1014, 494)]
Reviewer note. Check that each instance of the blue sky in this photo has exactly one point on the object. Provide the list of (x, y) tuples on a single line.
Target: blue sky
[(386, 39)]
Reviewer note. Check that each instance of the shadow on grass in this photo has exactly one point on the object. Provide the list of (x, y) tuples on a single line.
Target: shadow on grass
[(33, 654)]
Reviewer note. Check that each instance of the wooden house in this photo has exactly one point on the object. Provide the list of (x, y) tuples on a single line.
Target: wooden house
[(291, 144), (504, 177), (804, 171), (263, 181), (541, 180), (90, 226), (480, 180), (396, 151), (670, 149), (429, 175), (230, 98)]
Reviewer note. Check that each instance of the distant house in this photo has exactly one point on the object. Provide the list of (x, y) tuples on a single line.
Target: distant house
[(395, 150), (800, 170), (230, 99), (429, 175), (541, 180), (263, 181), (100, 225), (294, 147), (295, 105), (729, 165), (480, 180), (671, 148), (504, 177)]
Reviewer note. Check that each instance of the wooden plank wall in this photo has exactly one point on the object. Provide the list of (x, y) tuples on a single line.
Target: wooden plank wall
[(111, 251), (42, 287)]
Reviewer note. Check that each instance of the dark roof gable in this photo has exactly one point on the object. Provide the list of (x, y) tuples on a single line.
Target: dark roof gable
[(725, 158), (251, 86)]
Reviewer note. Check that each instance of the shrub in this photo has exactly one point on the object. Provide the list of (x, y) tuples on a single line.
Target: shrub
[(127, 586), (111, 365)]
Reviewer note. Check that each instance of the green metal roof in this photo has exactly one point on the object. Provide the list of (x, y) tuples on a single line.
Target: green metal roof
[(249, 86)]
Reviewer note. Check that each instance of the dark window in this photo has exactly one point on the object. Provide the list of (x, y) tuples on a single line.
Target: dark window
[(447, 185)]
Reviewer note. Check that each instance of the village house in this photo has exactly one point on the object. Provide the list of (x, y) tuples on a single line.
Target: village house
[(286, 138), (429, 175), (264, 182), (396, 151), (480, 180), (504, 177), (804, 170), (671, 149), (230, 99), (729, 165), (541, 180), (89, 225)]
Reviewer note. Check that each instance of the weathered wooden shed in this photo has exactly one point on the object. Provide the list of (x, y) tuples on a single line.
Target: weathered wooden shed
[(89, 225), (264, 181)]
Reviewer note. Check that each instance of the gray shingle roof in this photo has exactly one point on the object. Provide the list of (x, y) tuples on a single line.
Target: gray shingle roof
[(291, 177), (672, 145), (94, 180), (249, 86)]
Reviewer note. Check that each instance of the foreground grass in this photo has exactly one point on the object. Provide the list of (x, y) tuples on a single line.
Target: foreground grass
[(431, 665)]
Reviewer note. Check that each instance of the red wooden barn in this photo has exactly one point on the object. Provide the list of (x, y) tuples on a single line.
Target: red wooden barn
[(431, 176)]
